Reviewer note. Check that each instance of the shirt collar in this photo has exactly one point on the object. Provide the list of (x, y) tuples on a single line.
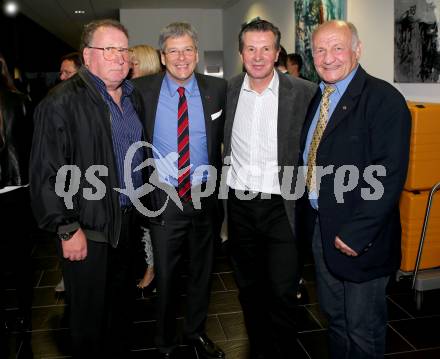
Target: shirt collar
[(127, 86), (273, 84), (190, 85), (341, 86)]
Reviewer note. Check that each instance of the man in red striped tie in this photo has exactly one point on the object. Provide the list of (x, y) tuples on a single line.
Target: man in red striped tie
[(184, 121)]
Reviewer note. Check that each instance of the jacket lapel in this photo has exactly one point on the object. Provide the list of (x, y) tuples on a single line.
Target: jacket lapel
[(206, 98), (347, 103), (231, 108), (286, 119), (313, 107), (151, 103)]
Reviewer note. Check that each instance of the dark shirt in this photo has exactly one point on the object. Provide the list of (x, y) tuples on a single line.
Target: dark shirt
[(126, 130)]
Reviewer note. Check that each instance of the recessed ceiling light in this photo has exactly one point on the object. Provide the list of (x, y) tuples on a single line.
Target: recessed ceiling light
[(79, 11), (11, 8)]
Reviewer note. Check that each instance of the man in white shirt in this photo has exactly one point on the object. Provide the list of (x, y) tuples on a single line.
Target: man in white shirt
[(264, 115)]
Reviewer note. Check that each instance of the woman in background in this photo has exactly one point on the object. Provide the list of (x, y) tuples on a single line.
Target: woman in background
[(15, 212), (145, 61)]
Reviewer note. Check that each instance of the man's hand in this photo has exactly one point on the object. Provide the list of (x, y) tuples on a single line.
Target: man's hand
[(344, 248), (75, 249)]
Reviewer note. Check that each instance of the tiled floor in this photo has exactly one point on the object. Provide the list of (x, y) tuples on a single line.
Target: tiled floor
[(411, 334)]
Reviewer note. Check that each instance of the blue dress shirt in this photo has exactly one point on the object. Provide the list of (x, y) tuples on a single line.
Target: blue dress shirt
[(126, 130), (335, 97), (165, 132)]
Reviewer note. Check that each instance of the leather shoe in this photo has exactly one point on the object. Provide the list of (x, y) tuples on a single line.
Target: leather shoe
[(206, 348)]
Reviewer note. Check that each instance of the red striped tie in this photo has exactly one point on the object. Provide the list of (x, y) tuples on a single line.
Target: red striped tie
[(183, 180)]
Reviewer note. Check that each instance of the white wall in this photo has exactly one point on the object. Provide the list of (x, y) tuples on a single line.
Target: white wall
[(373, 18), (144, 26), (375, 22)]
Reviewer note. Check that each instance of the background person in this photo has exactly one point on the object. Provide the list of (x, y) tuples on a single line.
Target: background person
[(281, 63), (70, 65), (145, 61), (294, 63), (15, 211)]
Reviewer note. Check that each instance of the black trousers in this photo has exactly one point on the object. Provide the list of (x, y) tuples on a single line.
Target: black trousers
[(174, 233), (101, 291), (265, 262)]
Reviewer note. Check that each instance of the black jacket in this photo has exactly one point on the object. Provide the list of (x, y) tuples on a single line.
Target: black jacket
[(15, 138), (73, 127), (370, 126)]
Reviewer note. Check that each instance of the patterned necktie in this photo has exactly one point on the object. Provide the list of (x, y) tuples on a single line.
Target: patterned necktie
[(183, 168), (317, 135)]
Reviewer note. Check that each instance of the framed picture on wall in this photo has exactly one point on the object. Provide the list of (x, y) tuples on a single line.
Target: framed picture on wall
[(308, 15), (417, 41)]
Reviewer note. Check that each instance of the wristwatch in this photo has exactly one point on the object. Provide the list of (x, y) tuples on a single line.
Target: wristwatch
[(66, 236)]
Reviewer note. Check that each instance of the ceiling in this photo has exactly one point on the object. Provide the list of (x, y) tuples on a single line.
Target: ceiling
[(59, 18)]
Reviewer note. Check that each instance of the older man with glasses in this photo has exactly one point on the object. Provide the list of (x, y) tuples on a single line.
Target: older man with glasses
[(91, 120)]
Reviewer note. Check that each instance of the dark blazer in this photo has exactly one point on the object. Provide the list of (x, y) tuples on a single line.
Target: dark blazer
[(370, 126), (294, 96), (213, 96)]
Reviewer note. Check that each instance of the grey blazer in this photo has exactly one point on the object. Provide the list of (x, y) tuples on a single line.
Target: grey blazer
[(294, 96)]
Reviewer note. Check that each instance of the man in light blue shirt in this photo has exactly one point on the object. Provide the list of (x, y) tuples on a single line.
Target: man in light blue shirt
[(184, 123)]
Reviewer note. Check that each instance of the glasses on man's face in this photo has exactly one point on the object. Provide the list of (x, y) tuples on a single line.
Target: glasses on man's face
[(175, 53), (110, 52)]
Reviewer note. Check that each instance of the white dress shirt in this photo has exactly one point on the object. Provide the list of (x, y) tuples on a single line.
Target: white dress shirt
[(254, 142)]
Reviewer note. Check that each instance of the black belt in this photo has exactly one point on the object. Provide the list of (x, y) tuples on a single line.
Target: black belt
[(256, 196)]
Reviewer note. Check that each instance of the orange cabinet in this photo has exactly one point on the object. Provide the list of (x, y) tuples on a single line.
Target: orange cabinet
[(412, 214), (424, 160)]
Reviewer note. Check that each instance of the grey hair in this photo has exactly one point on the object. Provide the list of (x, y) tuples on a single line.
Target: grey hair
[(177, 29), (354, 32), (354, 35)]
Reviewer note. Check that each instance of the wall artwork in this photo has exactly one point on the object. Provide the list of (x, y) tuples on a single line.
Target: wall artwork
[(417, 41), (308, 15)]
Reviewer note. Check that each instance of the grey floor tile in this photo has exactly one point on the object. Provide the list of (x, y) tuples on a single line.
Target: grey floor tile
[(46, 318), (417, 354), (214, 329), (224, 302), (229, 281), (233, 326), (305, 320), (430, 305), (50, 278), (422, 333)]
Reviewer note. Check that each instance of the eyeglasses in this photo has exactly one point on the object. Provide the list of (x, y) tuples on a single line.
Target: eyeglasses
[(110, 53), (174, 53)]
